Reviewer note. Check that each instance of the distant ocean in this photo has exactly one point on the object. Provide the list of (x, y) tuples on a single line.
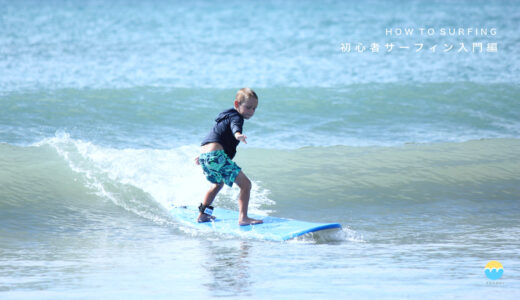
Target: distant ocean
[(411, 142)]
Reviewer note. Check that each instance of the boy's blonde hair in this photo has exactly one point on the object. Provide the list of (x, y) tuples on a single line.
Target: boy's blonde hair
[(245, 94)]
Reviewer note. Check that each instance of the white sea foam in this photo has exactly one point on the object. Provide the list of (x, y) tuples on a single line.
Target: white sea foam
[(170, 176)]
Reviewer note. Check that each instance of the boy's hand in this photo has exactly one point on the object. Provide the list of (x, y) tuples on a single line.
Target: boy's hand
[(241, 137), (197, 160)]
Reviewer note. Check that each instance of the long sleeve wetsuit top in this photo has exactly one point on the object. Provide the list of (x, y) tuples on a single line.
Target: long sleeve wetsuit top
[(228, 123)]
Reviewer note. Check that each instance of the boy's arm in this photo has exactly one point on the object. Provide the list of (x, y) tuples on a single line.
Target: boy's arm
[(236, 127), (241, 137)]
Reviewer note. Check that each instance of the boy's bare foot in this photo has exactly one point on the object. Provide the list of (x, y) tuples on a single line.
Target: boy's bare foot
[(249, 221), (205, 218)]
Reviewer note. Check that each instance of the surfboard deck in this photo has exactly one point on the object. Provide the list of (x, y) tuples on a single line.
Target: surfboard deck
[(273, 228)]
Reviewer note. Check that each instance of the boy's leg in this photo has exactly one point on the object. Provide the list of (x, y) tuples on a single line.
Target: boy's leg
[(208, 199), (243, 199)]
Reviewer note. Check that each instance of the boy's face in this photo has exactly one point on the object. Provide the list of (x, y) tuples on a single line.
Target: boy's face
[(247, 108)]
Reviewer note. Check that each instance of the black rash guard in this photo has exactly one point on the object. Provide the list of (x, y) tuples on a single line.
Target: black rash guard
[(228, 123)]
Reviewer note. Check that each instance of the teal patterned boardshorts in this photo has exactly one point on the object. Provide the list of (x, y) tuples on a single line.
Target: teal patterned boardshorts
[(218, 167)]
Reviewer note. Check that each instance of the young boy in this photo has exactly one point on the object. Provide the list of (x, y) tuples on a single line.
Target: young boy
[(218, 148)]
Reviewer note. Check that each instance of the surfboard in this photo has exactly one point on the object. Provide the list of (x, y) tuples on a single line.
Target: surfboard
[(273, 228)]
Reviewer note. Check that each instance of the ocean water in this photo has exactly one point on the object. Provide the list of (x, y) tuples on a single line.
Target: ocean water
[(416, 153)]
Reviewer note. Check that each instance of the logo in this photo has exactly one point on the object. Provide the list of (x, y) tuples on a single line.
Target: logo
[(494, 270)]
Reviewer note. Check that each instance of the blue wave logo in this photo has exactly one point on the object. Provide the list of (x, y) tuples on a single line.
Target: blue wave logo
[(494, 270)]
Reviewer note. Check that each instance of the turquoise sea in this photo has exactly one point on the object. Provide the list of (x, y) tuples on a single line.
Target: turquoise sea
[(414, 150)]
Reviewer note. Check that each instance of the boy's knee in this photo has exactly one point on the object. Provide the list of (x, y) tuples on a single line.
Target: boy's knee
[(217, 186), (246, 185)]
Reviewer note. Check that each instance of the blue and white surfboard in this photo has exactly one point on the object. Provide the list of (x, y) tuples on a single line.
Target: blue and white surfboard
[(273, 228)]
